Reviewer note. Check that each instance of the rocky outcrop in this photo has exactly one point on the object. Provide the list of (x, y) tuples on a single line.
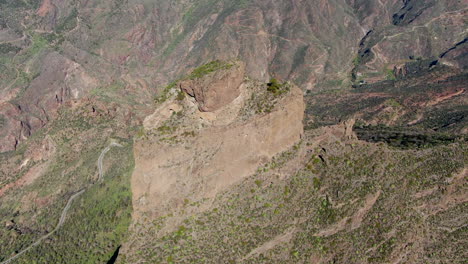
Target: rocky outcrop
[(215, 154), (217, 89)]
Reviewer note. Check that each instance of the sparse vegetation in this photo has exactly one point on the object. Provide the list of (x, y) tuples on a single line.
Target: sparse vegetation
[(97, 222), (209, 68), (164, 94), (266, 206), (264, 100), (396, 193)]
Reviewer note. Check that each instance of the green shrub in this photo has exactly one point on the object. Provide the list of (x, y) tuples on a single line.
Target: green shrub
[(273, 85), (180, 96), (277, 88)]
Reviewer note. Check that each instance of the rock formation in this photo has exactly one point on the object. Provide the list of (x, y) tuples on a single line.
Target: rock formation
[(214, 149), (216, 90)]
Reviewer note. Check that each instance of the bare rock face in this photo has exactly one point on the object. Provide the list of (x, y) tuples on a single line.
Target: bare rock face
[(216, 90)]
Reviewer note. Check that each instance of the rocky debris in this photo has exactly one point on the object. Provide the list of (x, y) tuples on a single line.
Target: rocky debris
[(162, 113), (217, 89)]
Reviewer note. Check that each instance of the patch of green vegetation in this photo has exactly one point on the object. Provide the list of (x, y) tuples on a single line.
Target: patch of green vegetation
[(390, 75), (165, 129), (39, 43), (16, 4), (332, 83), (326, 213), (197, 11), (357, 60), (54, 39), (114, 92), (393, 103), (299, 57), (97, 221), (243, 3), (277, 88), (113, 88), (23, 81), (164, 94), (189, 134), (173, 45), (180, 96), (141, 133), (209, 68)]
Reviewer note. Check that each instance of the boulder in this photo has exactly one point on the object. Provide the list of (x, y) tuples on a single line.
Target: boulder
[(216, 89)]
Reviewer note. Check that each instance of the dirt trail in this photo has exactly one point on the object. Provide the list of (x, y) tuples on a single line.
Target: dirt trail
[(63, 216), (280, 239), (14, 40)]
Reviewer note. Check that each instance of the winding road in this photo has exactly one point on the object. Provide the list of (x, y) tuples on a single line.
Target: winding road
[(101, 157), (63, 216)]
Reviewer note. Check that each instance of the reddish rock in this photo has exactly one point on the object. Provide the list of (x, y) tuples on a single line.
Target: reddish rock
[(217, 89)]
